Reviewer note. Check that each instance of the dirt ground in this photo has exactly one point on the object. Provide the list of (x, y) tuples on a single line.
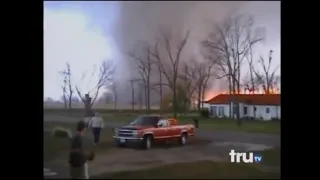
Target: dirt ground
[(121, 159)]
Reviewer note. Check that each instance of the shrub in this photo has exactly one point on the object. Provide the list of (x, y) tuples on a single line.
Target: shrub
[(275, 119), (61, 132), (204, 113), (106, 111)]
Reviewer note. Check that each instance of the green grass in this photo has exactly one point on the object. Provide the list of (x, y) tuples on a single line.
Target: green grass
[(210, 124), (268, 169), (197, 170), (204, 123), (271, 157), (54, 147), (230, 125)]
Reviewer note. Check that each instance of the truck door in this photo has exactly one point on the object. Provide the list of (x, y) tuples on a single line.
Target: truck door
[(174, 128), (163, 130)]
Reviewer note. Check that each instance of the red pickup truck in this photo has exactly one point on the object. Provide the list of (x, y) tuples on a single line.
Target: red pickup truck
[(147, 130)]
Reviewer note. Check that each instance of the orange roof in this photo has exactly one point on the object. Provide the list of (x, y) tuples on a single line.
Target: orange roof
[(257, 99)]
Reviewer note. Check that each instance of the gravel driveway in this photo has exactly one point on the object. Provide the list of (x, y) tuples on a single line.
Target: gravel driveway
[(132, 159)]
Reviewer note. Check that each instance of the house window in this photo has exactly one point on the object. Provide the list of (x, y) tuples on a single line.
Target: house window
[(267, 110), (234, 108), (213, 111), (245, 110), (221, 111), (255, 108)]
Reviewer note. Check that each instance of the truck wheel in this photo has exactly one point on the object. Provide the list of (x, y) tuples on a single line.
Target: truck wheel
[(147, 142), (183, 139)]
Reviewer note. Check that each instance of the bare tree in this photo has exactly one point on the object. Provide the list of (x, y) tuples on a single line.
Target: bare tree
[(104, 80), (246, 84), (200, 78), (142, 88), (277, 84), (158, 86), (170, 68), (64, 100), (208, 74), (251, 84), (132, 83), (230, 42), (142, 56), (70, 93), (114, 89), (267, 78), (64, 89), (67, 86), (188, 79), (203, 71)]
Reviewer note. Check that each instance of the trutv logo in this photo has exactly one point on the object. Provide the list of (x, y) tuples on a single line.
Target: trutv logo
[(246, 157)]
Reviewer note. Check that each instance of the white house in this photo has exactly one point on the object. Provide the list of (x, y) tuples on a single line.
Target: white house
[(205, 105), (258, 106)]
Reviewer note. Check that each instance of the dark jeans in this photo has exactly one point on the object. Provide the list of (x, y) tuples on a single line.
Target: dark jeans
[(96, 134)]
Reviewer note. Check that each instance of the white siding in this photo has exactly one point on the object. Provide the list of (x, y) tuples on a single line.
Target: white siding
[(225, 109), (274, 112), (205, 105), (279, 111), (241, 110), (261, 111), (250, 110)]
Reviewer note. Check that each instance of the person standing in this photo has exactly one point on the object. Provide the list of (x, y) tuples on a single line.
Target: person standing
[(96, 123), (78, 157)]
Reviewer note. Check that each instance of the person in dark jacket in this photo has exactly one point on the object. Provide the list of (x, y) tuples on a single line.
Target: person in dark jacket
[(78, 157)]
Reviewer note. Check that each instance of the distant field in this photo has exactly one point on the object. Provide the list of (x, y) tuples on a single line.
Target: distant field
[(95, 106), (213, 124)]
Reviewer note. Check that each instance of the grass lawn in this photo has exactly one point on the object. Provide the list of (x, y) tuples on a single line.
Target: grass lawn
[(211, 124), (54, 147), (207, 124), (230, 125), (271, 157), (197, 170)]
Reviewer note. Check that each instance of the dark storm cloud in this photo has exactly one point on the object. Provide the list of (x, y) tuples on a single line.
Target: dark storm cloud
[(140, 21), (128, 22)]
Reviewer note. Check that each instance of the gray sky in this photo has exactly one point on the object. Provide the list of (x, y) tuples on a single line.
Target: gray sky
[(85, 33)]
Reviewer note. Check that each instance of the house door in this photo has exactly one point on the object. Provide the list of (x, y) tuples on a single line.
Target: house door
[(213, 111), (221, 111), (245, 110), (267, 114)]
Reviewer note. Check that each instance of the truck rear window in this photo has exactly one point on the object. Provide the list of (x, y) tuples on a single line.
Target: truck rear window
[(146, 120)]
